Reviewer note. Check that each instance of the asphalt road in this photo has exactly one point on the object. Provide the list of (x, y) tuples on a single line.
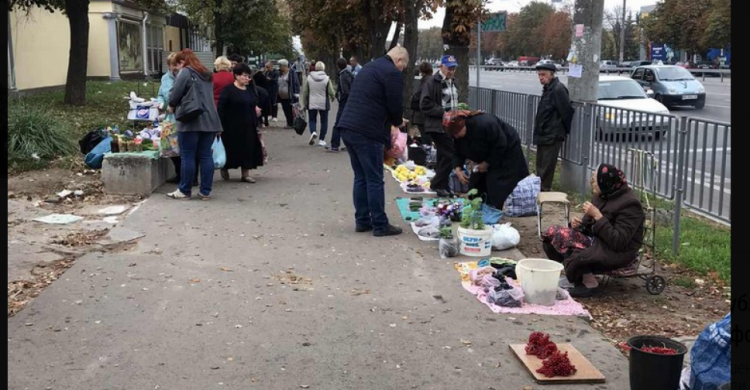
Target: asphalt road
[(707, 145)]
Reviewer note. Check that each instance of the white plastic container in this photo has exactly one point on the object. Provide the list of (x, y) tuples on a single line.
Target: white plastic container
[(476, 243), (539, 279)]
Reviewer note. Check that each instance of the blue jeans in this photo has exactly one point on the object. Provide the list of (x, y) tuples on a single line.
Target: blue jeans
[(323, 122), (192, 144), (369, 190), (336, 137)]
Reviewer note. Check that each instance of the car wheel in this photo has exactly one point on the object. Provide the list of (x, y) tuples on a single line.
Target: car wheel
[(700, 104)]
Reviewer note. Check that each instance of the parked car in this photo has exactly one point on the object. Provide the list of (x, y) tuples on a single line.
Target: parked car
[(606, 65), (512, 64), (706, 66), (635, 64), (672, 85), (494, 62), (624, 107)]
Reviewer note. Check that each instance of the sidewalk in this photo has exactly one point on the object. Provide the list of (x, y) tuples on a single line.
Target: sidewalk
[(267, 286)]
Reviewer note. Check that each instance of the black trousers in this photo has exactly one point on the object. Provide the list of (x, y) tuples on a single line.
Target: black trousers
[(286, 105), (424, 136), (177, 161), (444, 164), (493, 186), (546, 161)]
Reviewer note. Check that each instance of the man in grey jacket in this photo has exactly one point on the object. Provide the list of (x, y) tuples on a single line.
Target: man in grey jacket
[(439, 95), (342, 94), (554, 117)]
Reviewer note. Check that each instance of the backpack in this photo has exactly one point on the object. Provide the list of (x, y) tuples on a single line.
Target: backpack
[(414, 104)]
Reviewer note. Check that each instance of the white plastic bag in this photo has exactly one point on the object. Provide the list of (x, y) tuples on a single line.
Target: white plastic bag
[(505, 237)]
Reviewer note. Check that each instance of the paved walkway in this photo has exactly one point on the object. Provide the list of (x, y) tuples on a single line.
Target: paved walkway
[(267, 286)]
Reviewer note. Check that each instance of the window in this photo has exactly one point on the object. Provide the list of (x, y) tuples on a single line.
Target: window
[(674, 73), (649, 75), (155, 46), (622, 89), (638, 74)]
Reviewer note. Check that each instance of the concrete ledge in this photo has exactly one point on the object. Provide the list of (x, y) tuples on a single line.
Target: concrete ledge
[(134, 174)]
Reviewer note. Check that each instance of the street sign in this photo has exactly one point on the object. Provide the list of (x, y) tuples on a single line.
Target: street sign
[(495, 23)]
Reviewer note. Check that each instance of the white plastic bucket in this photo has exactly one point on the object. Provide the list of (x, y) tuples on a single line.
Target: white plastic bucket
[(477, 243), (539, 279)]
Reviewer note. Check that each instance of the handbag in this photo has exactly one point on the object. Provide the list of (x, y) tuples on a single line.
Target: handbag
[(191, 106), (299, 124)]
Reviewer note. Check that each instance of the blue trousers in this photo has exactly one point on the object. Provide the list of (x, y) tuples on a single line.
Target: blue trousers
[(369, 189), (196, 145)]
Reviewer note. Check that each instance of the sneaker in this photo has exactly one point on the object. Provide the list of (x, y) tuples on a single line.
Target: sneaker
[(322, 143), (177, 194), (275, 119), (362, 229), (441, 193), (332, 150), (313, 138), (389, 230)]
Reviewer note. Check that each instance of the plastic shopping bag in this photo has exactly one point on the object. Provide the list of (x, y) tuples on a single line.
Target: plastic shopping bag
[(219, 154), (710, 358), (505, 237), (263, 147), (448, 247), (398, 144)]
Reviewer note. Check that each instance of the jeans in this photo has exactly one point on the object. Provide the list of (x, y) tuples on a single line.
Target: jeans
[(192, 144), (286, 105), (369, 189), (336, 137), (313, 116)]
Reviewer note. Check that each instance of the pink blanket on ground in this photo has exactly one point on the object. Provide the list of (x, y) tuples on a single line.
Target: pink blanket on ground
[(567, 307)]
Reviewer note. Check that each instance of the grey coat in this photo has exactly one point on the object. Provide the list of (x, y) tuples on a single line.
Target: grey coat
[(208, 121)]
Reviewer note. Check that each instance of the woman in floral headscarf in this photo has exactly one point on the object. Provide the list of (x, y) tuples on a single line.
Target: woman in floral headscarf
[(608, 236)]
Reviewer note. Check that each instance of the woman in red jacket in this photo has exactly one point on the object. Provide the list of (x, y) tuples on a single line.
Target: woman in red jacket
[(223, 76)]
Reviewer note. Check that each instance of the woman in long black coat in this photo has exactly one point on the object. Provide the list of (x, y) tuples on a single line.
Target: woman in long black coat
[(237, 111), (495, 149)]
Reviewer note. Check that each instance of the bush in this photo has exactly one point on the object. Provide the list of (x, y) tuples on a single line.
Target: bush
[(34, 130)]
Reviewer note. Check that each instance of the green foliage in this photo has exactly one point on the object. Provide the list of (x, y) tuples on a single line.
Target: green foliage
[(472, 216), (446, 232), (36, 131), (679, 23)]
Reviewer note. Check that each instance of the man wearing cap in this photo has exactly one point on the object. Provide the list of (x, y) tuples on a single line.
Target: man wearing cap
[(439, 95), (552, 124)]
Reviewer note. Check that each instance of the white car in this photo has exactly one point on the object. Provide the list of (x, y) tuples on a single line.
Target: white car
[(624, 107)]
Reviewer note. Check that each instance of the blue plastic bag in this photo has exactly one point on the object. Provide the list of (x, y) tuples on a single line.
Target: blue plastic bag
[(95, 157), (490, 215), (711, 356), (219, 154)]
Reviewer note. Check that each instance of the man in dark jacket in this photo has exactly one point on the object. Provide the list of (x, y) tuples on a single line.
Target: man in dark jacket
[(439, 95), (375, 104), (552, 124), (495, 149), (342, 94)]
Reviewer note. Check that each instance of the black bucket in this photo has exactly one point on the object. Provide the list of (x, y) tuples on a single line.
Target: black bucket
[(652, 371)]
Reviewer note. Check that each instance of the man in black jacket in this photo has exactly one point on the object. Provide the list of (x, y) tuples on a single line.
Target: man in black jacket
[(552, 124), (342, 94), (439, 95), (375, 104)]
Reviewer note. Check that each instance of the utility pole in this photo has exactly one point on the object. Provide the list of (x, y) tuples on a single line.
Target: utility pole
[(622, 32), (588, 48)]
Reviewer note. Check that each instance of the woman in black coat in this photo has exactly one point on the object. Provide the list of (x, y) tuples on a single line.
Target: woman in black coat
[(493, 147)]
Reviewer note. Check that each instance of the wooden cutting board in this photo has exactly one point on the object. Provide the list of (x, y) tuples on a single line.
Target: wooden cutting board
[(586, 372)]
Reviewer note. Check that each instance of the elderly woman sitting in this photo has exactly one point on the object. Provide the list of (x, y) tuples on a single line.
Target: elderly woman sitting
[(607, 238)]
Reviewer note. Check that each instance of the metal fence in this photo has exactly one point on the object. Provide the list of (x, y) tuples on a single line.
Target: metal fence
[(698, 72), (691, 154)]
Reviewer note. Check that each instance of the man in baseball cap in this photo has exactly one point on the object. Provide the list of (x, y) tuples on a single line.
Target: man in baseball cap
[(449, 61)]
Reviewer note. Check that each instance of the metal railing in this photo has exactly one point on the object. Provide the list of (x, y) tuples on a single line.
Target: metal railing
[(692, 155), (698, 72)]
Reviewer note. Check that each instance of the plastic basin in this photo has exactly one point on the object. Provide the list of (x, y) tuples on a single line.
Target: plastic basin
[(539, 279)]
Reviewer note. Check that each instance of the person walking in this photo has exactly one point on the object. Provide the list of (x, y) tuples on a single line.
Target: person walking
[(272, 77), (342, 95), (239, 118), (196, 135), (417, 117), (554, 117), (316, 97), (375, 104), (440, 95), (288, 91)]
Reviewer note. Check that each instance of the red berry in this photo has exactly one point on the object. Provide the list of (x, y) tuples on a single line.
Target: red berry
[(557, 364)]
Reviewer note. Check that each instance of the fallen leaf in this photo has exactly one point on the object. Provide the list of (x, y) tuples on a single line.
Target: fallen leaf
[(304, 386), (225, 269), (195, 280)]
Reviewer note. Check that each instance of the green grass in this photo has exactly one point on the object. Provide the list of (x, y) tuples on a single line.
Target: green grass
[(105, 106), (684, 281), (705, 246)]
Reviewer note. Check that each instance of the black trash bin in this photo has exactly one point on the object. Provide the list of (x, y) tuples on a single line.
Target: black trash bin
[(652, 371)]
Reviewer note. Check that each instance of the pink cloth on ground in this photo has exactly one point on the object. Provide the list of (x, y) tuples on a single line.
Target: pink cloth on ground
[(567, 307)]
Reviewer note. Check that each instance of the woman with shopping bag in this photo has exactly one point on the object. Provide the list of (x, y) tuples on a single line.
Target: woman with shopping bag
[(238, 110)]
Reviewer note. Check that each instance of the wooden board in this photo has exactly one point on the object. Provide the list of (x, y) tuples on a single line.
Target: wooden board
[(585, 371)]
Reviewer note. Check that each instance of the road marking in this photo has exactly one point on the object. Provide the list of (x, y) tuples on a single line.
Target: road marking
[(718, 106)]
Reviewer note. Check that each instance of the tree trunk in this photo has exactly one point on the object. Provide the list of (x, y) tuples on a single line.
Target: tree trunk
[(458, 46), (218, 29), (379, 27), (411, 42), (78, 19)]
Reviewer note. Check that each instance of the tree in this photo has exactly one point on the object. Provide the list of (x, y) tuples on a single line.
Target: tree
[(430, 44), (719, 30), (555, 35), (679, 23), (77, 12), (460, 17), (613, 23)]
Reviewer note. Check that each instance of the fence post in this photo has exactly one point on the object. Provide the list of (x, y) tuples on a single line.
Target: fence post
[(586, 145), (679, 183), (529, 126)]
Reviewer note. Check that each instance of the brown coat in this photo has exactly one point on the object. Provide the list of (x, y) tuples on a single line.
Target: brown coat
[(617, 236)]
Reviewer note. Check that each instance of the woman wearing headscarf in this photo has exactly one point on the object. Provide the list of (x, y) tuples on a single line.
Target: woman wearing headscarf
[(493, 147), (608, 237)]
